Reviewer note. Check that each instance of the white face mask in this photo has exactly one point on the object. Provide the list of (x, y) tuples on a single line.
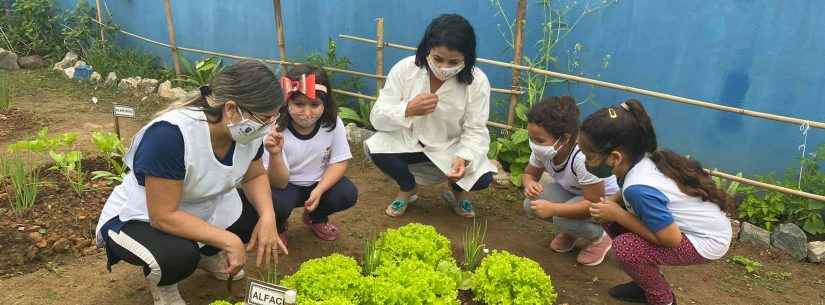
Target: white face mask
[(246, 130), (544, 152), (443, 74)]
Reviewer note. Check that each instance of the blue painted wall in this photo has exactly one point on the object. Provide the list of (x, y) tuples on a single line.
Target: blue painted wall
[(761, 55)]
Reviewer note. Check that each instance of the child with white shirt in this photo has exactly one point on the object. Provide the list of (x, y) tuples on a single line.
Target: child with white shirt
[(307, 154), (552, 126)]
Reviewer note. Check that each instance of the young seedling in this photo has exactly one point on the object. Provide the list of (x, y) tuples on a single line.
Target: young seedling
[(475, 236), (112, 149), (751, 265), (70, 165)]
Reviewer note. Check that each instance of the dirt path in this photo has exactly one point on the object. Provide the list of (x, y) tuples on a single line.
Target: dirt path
[(85, 280)]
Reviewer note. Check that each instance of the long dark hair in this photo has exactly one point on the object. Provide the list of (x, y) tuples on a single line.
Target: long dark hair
[(330, 116), (454, 32), (250, 84), (627, 128), (558, 115)]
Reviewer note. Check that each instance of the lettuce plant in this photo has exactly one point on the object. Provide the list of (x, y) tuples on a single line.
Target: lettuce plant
[(506, 279), (413, 241)]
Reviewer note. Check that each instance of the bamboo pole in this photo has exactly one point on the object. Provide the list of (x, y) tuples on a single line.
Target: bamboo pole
[(279, 26), (100, 19), (170, 26), (768, 186), (379, 54), (664, 96), (518, 43)]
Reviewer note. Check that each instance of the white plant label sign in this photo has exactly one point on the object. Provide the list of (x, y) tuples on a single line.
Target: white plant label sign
[(122, 111), (261, 293)]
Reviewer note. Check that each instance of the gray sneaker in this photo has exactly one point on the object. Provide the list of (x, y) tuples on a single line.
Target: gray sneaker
[(463, 208)]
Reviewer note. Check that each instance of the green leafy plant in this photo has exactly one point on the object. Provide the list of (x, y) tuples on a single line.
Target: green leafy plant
[(730, 187), (513, 152), (202, 72), (475, 236), (5, 92), (71, 166), (79, 29), (111, 148), (410, 282), (463, 279), (33, 27), (413, 241), (25, 183), (360, 115), (331, 301), (42, 142), (503, 278), (751, 265), (766, 208), (324, 278)]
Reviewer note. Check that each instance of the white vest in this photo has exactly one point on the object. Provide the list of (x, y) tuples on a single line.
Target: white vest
[(704, 223), (208, 186)]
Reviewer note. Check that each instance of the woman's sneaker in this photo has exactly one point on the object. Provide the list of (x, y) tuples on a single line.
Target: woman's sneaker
[(594, 253), (563, 243), (628, 292), (216, 265), (166, 295), (399, 206), (464, 208)]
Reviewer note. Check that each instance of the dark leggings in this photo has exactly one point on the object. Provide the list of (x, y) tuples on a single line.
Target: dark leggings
[(397, 167), (166, 259), (339, 197)]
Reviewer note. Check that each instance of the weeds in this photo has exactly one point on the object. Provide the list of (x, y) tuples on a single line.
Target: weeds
[(270, 274), (751, 265), (202, 72)]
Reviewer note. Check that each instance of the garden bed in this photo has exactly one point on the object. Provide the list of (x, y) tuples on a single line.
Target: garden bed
[(59, 225), (14, 122)]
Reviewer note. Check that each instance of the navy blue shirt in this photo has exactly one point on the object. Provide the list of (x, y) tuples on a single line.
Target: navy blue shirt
[(161, 153)]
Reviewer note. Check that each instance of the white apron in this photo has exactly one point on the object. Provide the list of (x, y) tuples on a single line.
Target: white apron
[(458, 126), (208, 186)]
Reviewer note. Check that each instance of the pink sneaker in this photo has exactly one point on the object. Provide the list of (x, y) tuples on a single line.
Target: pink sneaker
[(563, 242), (594, 254), (324, 231)]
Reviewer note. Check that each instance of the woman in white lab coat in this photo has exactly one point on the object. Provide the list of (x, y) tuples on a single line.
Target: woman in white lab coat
[(434, 109)]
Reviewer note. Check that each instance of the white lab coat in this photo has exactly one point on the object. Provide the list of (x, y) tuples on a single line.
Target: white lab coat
[(457, 127)]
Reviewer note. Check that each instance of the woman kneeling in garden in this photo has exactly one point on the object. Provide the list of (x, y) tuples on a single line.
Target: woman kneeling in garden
[(434, 109), (672, 213), (181, 191)]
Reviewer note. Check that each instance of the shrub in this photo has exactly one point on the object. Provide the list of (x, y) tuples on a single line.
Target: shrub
[(325, 278), (506, 279), (766, 208), (410, 282), (413, 241)]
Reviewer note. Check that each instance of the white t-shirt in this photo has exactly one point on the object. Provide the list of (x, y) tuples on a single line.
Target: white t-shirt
[(658, 202), (572, 175), (307, 157)]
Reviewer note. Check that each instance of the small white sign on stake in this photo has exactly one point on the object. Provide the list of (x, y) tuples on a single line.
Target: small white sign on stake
[(123, 111), (262, 293)]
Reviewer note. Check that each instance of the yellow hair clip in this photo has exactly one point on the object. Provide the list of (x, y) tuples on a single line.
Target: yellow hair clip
[(612, 113)]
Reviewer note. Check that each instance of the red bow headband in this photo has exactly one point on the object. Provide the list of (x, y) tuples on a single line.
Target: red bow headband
[(306, 85)]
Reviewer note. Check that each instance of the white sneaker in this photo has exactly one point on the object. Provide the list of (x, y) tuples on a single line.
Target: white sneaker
[(166, 295), (216, 265)]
